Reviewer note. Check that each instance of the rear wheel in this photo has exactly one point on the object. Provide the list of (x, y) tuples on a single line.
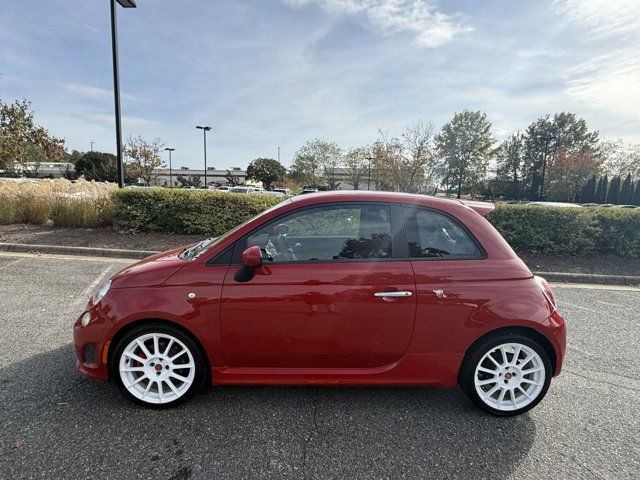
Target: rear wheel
[(158, 365), (506, 374)]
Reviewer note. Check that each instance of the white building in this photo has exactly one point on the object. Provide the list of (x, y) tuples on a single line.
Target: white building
[(162, 176), (45, 169)]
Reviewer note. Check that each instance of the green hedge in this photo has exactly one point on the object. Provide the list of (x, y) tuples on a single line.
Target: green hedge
[(569, 231), (540, 230), (184, 211)]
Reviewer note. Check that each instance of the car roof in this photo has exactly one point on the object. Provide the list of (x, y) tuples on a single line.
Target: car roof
[(483, 208)]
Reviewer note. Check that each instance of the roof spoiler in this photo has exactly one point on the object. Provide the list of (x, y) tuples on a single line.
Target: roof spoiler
[(483, 208)]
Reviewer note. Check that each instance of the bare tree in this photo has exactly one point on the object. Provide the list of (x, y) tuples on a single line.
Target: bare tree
[(406, 163), (144, 156), (356, 163)]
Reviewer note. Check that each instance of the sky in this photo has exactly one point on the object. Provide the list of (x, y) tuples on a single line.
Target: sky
[(276, 73)]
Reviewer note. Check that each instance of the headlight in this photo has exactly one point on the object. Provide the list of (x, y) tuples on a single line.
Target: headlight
[(99, 295), (86, 318)]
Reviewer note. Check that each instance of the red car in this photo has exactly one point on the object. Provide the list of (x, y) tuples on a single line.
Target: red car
[(337, 288)]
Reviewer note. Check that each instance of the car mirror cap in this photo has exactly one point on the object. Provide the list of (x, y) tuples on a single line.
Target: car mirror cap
[(252, 257)]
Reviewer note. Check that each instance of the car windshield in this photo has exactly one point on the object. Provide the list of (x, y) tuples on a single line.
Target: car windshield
[(194, 251)]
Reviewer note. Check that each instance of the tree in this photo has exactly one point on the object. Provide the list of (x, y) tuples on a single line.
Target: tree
[(306, 166), (318, 160), (266, 170), (601, 190), (510, 164), (545, 137), (190, 181), (620, 158), (357, 164), (613, 193), (98, 166), (588, 193), (568, 172), (466, 146), (232, 178), (626, 192), (636, 194), (21, 137), (144, 156), (407, 163), (74, 156)]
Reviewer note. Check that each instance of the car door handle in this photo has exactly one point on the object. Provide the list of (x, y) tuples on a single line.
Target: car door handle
[(393, 294)]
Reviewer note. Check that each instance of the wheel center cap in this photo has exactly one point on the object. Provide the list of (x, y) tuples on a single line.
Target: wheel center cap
[(158, 367), (508, 375)]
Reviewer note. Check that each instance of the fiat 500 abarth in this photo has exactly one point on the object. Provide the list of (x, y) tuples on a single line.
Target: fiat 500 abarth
[(340, 288)]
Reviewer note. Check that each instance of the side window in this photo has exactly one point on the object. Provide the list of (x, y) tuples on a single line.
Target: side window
[(342, 232), (434, 235)]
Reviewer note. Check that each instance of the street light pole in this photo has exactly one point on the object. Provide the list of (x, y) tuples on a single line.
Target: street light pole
[(170, 170), (204, 131), (116, 82)]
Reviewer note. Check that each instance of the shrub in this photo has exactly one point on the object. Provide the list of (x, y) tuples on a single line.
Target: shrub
[(66, 203), (199, 212), (82, 212), (569, 231)]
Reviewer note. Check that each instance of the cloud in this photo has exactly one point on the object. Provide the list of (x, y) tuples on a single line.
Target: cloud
[(91, 92), (609, 78), (88, 91), (605, 18), (130, 122), (419, 17)]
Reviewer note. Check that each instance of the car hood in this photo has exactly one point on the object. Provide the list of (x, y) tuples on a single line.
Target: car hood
[(151, 271)]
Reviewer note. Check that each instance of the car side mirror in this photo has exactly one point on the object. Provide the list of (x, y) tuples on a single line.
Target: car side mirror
[(252, 257)]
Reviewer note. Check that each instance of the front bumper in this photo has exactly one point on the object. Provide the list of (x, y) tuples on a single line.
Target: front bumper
[(91, 344), (558, 339)]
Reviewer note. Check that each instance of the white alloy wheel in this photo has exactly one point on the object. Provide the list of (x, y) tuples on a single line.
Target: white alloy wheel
[(509, 377), (157, 368)]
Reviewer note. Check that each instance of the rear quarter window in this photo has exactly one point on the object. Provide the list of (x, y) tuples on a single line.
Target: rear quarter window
[(433, 235)]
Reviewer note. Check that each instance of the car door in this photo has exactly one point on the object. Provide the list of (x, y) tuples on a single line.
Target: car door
[(330, 293), (452, 279)]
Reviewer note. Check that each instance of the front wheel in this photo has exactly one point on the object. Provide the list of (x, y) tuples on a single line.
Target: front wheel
[(506, 374), (157, 365)]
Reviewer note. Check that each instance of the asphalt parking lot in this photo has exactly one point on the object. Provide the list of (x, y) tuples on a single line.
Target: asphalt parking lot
[(56, 424)]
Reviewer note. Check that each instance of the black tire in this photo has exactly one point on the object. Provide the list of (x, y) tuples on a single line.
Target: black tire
[(194, 349), (488, 343)]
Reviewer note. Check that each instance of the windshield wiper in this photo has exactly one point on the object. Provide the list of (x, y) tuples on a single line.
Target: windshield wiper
[(189, 252)]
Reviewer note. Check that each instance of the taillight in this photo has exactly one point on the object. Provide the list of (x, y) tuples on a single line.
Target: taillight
[(546, 291)]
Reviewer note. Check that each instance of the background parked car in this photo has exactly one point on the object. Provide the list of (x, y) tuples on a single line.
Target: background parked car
[(553, 204), (269, 193), (245, 189)]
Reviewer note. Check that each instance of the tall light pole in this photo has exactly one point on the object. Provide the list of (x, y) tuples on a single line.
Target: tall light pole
[(204, 131), (116, 82), (170, 170)]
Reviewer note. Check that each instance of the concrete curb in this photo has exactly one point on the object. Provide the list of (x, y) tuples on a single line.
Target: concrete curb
[(81, 251), (140, 254), (589, 278)]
